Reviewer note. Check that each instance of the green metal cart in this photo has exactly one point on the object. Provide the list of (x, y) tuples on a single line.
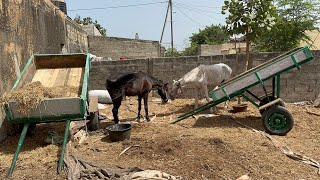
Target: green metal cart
[(276, 118), (53, 70)]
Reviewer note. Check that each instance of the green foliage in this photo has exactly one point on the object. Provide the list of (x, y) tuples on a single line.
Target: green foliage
[(249, 17), (190, 51), (169, 53), (282, 37), (295, 18), (87, 21), (214, 34)]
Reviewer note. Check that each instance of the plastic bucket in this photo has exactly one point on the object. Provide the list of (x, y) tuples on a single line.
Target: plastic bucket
[(119, 132)]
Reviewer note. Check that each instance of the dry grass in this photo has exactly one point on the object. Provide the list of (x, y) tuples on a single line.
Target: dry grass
[(207, 148), (30, 96)]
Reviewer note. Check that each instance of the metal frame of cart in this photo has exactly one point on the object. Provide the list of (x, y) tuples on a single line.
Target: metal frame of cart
[(53, 109), (276, 118)]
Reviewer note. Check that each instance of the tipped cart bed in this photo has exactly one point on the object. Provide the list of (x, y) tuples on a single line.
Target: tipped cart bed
[(54, 70), (276, 118)]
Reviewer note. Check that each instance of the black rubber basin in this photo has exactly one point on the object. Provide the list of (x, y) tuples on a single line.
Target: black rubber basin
[(119, 132)]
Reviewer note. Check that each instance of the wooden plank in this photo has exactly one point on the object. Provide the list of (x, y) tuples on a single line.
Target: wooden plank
[(74, 80), (49, 107), (44, 76), (60, 61), (38, 76), (61, 78), (53, 77), (270, 103)]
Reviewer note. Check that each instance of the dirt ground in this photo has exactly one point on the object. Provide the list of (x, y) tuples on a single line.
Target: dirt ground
[(206, 148)]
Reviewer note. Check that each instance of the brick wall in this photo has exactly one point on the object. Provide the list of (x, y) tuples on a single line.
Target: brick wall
[(114, 48), (296, 85)]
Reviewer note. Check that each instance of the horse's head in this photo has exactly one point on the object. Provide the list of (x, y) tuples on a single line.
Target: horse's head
[(163, 91), (176, 88)]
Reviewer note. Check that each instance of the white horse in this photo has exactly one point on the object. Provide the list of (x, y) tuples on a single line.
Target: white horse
[(200, 77)]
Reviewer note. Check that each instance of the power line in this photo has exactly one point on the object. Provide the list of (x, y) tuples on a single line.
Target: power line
[(192, 6), (115, 7), (196, 22), (197, 9)]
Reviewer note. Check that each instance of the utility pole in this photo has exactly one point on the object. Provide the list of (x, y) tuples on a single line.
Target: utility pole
[(170, 2), (165, 22)]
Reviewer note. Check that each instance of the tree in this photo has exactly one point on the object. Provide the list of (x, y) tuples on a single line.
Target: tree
[(295, 18), (168, 53), (87, 21), (249, 17), (214, 34)]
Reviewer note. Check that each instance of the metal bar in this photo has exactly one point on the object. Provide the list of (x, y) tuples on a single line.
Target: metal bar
[(20, 143), (214, 95), (278, 86), (253, 95), (262, 84), (196, 111), (225, 93), (295, 61), (23, 71), (250, 100), (273, 86), (65, 139)]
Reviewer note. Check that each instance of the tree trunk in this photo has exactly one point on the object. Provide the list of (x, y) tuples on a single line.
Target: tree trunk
[(248, 59)]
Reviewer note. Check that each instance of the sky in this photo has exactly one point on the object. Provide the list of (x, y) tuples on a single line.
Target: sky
[(125, 18)]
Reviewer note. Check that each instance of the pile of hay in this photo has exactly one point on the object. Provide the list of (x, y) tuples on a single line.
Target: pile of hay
[(30, 96)]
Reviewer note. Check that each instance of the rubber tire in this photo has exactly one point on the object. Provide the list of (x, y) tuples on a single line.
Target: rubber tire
[(265, 101), (280, 110)]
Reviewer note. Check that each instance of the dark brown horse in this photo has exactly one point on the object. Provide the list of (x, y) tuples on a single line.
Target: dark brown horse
[(135, 84)]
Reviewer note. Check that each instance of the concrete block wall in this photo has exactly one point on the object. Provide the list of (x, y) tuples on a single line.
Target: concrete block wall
[(114, 48), (76, 37), (296, 85)]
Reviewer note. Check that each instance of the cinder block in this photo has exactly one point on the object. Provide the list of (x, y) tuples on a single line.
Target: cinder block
[(303, 89)]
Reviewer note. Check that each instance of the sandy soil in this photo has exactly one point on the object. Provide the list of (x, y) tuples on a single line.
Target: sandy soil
[(206, 148)]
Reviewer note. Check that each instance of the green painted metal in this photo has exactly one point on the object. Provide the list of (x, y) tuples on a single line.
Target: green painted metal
[(305, 50), (214, 96), (83, 98), (225, 93), (56, 118), (64, 144), (7, 111), (250, 100), (278, 85), (295, 61), (277, 121), (23, 71), (262, 84), (48, 119), (196, 111), (20, 143)]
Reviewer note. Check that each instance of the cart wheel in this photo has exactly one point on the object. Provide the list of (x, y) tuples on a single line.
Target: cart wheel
[(265, 101), (277, 120)]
